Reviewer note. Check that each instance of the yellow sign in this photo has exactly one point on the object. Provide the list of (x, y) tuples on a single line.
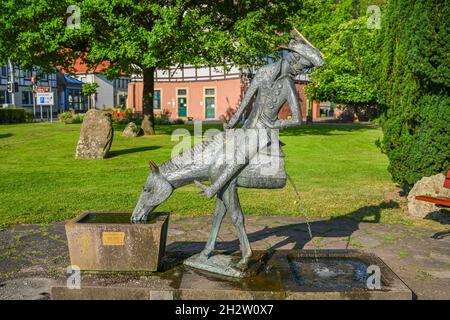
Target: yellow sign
[(42, 89), (113, 238)]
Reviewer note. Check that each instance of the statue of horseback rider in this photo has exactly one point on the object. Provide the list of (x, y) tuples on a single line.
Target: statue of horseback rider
[(272, 86)]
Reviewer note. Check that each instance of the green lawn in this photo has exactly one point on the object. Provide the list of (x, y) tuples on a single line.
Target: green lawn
[(338, 170)]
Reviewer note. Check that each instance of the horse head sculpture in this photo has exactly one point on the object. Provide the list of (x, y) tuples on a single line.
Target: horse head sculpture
[(155, 191)]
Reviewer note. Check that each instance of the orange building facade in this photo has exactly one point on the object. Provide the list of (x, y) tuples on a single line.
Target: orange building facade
[(202, 94), (192, 100)]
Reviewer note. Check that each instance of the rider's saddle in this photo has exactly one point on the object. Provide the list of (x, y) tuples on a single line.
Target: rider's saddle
[(265, 171)]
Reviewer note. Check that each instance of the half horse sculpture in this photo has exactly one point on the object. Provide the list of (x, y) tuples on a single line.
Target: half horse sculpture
[(247, 157)]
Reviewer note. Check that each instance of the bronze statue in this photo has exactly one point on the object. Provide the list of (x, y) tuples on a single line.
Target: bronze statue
[(271, 87)]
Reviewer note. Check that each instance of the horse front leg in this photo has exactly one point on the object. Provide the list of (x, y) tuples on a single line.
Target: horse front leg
[(237, 218), (219, 214)]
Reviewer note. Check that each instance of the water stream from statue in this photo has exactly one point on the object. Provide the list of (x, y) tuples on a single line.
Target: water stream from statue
[(304, 211), (321, 270)]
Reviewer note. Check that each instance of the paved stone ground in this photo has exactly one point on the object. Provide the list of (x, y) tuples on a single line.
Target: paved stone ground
[(32, 256)]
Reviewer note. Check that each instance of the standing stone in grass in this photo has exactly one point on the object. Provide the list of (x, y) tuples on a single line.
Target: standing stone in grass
[(427, 186), (96, 135), (132, 130)]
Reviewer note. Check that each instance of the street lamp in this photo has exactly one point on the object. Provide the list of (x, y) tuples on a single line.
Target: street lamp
[(13, 83)]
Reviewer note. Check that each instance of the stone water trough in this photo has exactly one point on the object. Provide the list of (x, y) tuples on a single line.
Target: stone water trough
[(107, 241)]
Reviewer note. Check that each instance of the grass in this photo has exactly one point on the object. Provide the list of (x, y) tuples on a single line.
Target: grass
[(338, 170), (390, 239), (404, 254)]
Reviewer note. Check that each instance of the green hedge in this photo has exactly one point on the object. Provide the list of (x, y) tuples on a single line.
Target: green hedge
[(69, 118), (15, 115), (415, 86)]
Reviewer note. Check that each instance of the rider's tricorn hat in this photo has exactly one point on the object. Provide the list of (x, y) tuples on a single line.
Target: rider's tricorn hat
[(303, 47)]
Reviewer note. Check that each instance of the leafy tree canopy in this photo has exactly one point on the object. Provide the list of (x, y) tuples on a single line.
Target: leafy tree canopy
[(137, 36), (350, 55), (339, 29), (90, 88), (142, 34)]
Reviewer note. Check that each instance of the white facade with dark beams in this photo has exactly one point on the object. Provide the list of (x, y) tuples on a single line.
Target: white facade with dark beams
[(23, 95)]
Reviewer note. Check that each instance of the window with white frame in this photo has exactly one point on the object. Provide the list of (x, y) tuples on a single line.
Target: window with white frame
[(27, 98), (157, 99), (210, 103)]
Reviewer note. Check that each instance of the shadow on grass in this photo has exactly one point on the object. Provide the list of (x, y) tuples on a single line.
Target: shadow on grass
[(326, 129), (306, 129), (5, 135), (116, 153), (297, 234), (169, 129)]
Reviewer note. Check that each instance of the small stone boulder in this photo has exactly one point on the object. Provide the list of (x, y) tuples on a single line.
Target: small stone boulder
[(427, 186), (132, 130), (96, 135)]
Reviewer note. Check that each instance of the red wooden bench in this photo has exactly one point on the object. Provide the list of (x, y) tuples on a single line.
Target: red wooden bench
[(441, 201)]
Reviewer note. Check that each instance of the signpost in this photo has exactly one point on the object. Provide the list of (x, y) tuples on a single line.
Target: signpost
[(33, 81), (45, 99)]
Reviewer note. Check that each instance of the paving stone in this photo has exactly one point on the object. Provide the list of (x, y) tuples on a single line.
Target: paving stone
[(422, 263), (26, 289), (175, 232)]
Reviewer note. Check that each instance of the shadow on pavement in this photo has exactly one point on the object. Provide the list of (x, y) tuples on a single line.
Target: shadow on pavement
[(342, 226)]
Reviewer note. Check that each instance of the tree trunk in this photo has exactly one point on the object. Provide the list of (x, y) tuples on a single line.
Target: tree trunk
[(355, 107), (148, 123)]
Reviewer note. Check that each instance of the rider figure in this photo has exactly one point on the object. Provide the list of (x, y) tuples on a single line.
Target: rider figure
[(271, 87)]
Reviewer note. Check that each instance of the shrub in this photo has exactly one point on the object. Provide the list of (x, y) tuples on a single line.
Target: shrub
[(162, 119), (415, 86), (178, 121), (29, 116), (120, 119), (127, 111), (15, 115), (78, 119), (66, 117), (122, 115)]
